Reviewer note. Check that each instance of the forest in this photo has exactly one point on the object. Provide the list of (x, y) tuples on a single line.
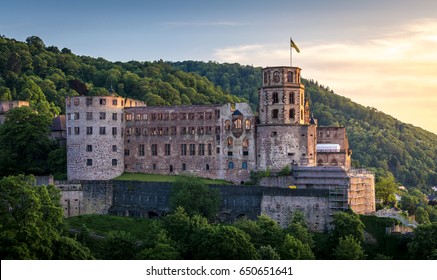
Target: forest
[(45, 75)]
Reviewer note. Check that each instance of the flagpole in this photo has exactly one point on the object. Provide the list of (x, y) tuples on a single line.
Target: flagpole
[(291, 54)]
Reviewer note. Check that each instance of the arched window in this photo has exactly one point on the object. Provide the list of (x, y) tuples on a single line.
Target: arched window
[(320, 162), (276, 77), (290, 77), (291, 97), (237, 123), (244, 165), (245, 142), (230, 141), (265, 78), (230, 165), (292, 113), (207, 167), (334, 162), (274, 113), (247, 124), (227, 125), (275, 98)]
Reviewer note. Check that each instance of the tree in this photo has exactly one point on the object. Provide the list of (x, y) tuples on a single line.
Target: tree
[(424, 244), (347, 224), (24, 142), (120, 245), (349, 248), (294, 249), (31, 219), (195, 197), (422, 216), (163, 249), (268, 253), (385, 190), (227, 243)]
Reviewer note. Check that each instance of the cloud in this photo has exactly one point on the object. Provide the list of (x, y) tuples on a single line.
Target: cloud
[(394, 72)]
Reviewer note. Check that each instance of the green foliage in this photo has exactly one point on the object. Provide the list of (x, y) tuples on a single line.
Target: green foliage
[(385, 189), (163, 249), (120, 245), (294, 249), (31, 219), (227, 243), (57, 162), (268, 253), (24, 142), (410, 201), (347, 224), (424, 244), (195, 197), (349, 248), (286, 171)]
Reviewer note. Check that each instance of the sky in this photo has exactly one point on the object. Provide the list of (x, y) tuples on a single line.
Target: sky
[(381, 54)]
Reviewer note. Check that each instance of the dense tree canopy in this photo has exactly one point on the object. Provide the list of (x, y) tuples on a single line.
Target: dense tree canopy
[(31, 222)]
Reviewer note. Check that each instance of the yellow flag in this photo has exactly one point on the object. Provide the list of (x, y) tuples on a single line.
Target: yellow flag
[(293, 45)]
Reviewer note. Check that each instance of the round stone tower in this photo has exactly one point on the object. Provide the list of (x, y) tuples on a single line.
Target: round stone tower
[(95, 145), (285, 135)]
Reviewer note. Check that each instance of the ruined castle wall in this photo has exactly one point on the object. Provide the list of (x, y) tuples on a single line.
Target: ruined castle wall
[(211, 141), (285, 145), (71, 199), (97, 197), (280, 206)]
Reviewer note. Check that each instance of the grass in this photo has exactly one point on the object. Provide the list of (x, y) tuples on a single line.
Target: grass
[(164, 178)]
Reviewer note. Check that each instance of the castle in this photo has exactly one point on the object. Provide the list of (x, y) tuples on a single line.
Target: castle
[(109, 135)]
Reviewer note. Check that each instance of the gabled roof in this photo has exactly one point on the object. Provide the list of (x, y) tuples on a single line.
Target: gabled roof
[(58, 123), (237, 113)]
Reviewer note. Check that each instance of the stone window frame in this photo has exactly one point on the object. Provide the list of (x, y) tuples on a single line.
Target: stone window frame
[(292, 113), (114, 148), (76, 115), (154, 149), (126, 152), (275, 114), (89, 116), (114, 102), (89, 130), (244, 165), (276, 77), (102, 115), (227, 124), (183, 149), (201, 150), (102, 130), (230, 141), (89, 101), (247, 124), (76, 101), (245, 142), (89, 148), (289, 77), (209, 149), (238, 123), (275, 98), (76, 130), (141, 150), (114, 162), (114, 130), (128, 116), (291, 98), (192, 149), (231, 165), (89, 162), (167, 149), (102, 101)]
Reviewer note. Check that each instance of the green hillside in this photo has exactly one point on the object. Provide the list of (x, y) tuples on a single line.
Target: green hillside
[(45, 75)]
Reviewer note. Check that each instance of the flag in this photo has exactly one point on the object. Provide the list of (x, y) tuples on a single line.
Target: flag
[(293, 45)]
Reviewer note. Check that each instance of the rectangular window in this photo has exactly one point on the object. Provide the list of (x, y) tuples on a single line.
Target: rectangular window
[(167, 149), (76, 102), (89, 162), (209, 149), (89, 148), (114, 102), (102, 130), (89, 130), (89, 115), (230, 153), (102, 101), (184, 166), (183, 149), (154, 166), (217, 150), (69, 130), (89, 101), (114, 116), (102, 115), (230, 165), (128, 117), (114, 161), (201, 151), (114, 131), (141, 151), (76, 130), (192, 149), (114, 148), (154, 149), (76, 116), (126, 152), (245, 153)]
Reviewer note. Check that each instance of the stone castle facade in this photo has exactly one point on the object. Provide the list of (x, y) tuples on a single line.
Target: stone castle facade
[(109, 135)]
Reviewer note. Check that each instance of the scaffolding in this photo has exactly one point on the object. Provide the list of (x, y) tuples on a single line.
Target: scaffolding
[(338, 198)]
